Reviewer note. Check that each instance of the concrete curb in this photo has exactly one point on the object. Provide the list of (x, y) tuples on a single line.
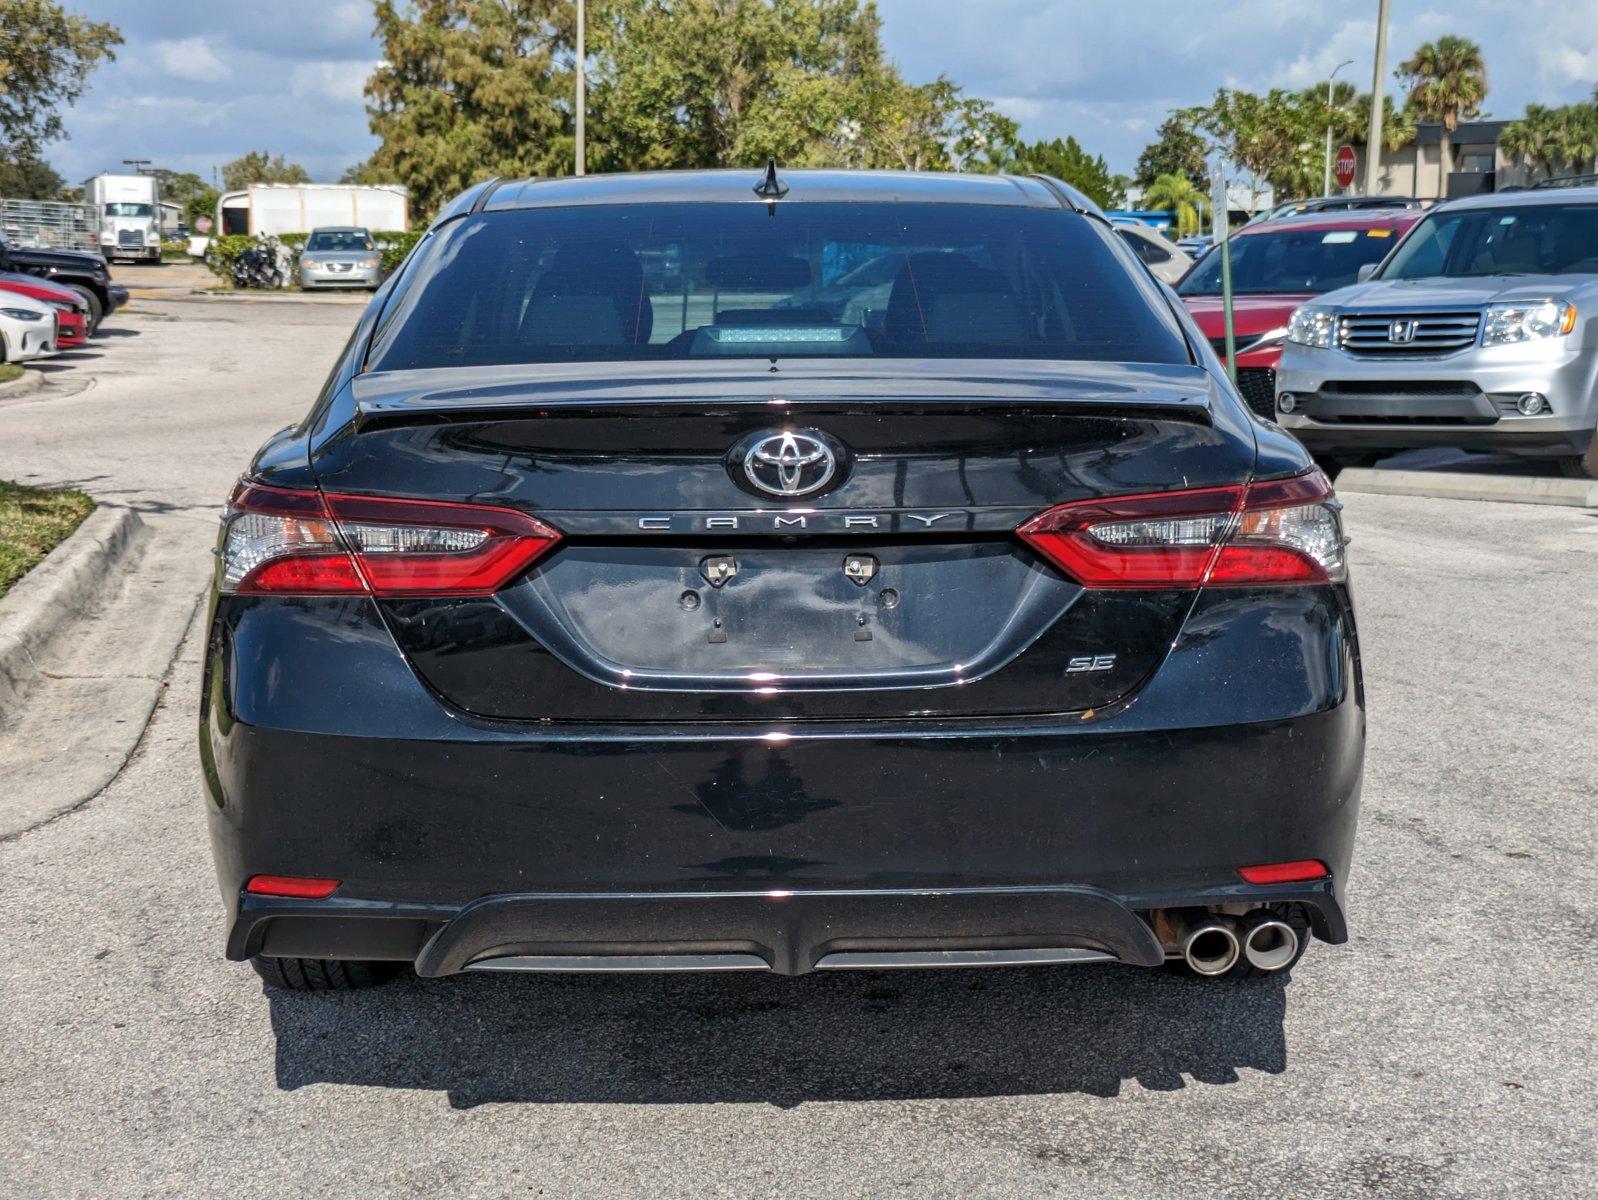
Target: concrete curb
[(31, 381), (69, 582), (1451, 485), (361, 297)]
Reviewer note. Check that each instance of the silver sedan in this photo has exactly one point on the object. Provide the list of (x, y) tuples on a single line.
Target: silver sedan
[(340, 257)]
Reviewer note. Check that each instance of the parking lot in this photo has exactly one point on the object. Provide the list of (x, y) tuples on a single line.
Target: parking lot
[(1445, 1051)]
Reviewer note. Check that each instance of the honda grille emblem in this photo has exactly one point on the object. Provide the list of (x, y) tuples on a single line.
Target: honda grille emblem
[(1401, 333), (789, 463)]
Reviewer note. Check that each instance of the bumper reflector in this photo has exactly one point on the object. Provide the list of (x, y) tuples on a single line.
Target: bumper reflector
[(293, 886), (1287, 872)]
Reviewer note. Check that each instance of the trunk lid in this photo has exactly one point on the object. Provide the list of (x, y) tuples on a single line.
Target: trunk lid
[(684, 589)]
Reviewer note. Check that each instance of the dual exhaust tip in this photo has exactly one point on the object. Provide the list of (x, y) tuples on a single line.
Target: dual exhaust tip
[(1213, 944)]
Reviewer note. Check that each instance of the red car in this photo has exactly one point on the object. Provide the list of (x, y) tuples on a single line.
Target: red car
[(1277, 266), (71, 313)]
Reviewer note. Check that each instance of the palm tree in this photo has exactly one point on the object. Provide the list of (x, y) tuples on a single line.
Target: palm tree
[(1535, 138), (1576, 135), (1447, 80), (1175, 193)]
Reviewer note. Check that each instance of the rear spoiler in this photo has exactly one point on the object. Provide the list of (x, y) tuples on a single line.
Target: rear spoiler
[(1108, 390)]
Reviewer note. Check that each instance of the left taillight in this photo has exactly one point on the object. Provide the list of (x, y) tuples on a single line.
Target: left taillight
[(282, 541), (1279, 531)]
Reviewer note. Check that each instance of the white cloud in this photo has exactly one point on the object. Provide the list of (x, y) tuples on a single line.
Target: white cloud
[(192, 59), (336, 82)]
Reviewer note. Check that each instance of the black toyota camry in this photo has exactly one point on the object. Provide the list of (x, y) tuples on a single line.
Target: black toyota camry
[(742, 571)]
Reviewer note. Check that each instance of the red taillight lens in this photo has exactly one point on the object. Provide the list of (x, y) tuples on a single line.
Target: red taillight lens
[(294, 886), (282, 541), (1276, 532), (1288, 872)]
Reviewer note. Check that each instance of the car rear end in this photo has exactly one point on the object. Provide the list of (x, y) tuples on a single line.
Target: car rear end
[(594, 620)]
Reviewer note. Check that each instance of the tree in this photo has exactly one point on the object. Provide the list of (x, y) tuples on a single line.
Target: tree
[(1067, 161), (1447, 81), (1175, 193), (46, 55), (1536, 138), (29, 177), (189, 192), (471, 89), (363, 172), (260, 167), (1278, 137), (1177, 150)]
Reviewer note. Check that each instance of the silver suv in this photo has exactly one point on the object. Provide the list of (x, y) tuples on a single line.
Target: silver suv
[(1478, 331)]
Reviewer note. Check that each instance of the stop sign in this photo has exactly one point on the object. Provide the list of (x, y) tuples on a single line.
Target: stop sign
[(1343, 166)]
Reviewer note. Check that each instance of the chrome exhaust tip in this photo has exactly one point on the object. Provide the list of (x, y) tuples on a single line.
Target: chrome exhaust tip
[(1269, 943), (1208, 944)]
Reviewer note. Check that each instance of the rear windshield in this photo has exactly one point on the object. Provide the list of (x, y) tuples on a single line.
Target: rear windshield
[(664, 281), (1551, 239), (1291, 260), (339, 239)]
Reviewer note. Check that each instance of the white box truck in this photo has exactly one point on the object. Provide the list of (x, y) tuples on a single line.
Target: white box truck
[(279, 208), (130, 227)]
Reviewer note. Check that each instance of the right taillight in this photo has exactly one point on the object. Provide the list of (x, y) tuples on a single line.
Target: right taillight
[(282, 541), (1280, 531)]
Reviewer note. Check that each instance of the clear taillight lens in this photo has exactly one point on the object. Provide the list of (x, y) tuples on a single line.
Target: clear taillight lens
[(284, 541), (1284, 531)]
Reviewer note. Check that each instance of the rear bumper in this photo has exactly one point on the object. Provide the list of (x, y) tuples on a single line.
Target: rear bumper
[(458, 840), (787, 932)]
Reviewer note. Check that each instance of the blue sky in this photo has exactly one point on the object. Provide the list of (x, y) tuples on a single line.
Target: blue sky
[(199, 83)]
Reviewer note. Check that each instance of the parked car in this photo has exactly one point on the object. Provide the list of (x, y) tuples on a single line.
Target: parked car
[(1331, 204), (72, 313), (1196, 247), (580, 627), (1161, 255), (27, 328), (86, 274), (340, 257), (1276, 267), (1481, 331)]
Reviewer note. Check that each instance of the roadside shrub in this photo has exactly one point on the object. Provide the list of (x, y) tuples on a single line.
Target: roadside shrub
[(174, 250), (223, 252), (394, 245)]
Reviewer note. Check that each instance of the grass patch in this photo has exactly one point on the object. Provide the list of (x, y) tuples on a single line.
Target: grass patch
[(33, 521), (9, 371)]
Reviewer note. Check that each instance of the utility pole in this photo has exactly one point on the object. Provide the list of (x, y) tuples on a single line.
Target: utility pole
[(141, 166), (1326, 185), (582, 91), (1373, 143)]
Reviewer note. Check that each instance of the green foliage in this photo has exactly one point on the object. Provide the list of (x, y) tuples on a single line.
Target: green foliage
[(364, 172), (1175, 193), (1555, 140), (191, 193), (46, 55), (470, 89), (223, 252), (260, 167), (174, 250), (1447, 80), (33, 521), (1067, 161), (1177, 150), (28, 177), (394, 245)]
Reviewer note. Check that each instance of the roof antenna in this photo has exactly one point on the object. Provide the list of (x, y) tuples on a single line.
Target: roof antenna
[(771, 189)]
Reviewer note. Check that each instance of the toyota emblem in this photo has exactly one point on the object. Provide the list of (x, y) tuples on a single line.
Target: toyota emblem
[(789, 463)]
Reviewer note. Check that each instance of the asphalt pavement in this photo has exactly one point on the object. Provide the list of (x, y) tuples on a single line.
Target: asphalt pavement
[(1446, 1051)]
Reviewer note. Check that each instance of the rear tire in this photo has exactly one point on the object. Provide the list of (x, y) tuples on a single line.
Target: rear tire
[(323, 974), (96, 309)]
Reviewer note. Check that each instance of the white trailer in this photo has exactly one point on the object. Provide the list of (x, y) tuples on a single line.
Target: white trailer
[(278, 208), (130, 219)]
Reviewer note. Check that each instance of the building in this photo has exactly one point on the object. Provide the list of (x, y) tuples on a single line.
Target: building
[(1478, 163)]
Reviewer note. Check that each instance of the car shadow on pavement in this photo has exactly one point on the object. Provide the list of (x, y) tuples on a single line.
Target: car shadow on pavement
[(686, 1039)]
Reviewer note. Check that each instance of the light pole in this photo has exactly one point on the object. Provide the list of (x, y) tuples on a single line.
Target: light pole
[(1326, 185), (582, 90), (1373, 143)]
